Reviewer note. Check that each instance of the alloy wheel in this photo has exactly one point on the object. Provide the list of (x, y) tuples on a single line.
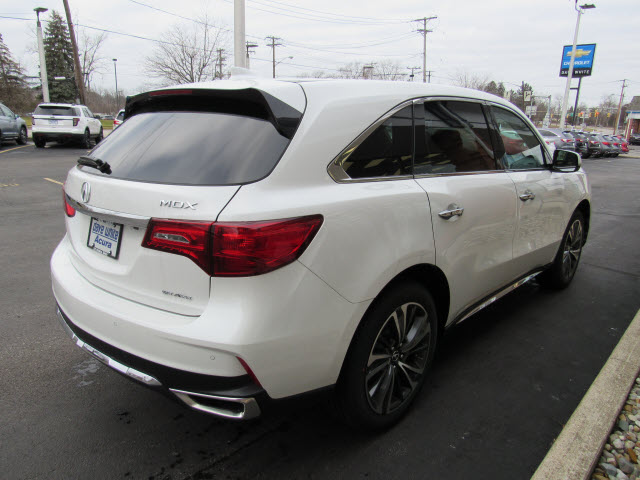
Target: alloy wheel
[(398, 358), (572, 249)]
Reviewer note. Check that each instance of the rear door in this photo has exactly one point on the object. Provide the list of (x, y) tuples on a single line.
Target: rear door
[(173, 160), (8, 122), (473, 201)]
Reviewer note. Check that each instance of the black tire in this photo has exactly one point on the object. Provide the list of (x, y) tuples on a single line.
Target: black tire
[(22, 137), (40, 142), (586, 155), (388, 359), (86, 139), (100, 136), (564, 266)]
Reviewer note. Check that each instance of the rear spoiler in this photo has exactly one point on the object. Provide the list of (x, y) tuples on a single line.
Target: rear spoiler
[(248, 102)]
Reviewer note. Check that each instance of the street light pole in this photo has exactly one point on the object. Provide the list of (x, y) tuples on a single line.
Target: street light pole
[(278, 63), (565, 101), (43, 63), (115, 73)]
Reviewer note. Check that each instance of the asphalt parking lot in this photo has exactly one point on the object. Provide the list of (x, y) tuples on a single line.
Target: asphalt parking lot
[(503, 385)]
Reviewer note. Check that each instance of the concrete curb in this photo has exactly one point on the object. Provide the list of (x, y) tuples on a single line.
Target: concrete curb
[(576, 451)]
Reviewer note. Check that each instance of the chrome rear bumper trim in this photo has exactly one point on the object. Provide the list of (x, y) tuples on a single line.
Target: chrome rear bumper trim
[(250, 408), (110, 362), (110, 215)]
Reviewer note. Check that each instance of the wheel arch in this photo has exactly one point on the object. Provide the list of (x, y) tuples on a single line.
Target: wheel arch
[(427, 275), (584, 207)]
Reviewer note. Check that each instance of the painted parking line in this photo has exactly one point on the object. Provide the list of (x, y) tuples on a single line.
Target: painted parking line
[(54, 181), (15, 148)]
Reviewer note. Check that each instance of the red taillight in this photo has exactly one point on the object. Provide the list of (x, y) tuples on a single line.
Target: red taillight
[(254, 248), (68, 209), (240, 249), (190, 239), (593, 142), (75, 122), (566, 140), (605, 143)]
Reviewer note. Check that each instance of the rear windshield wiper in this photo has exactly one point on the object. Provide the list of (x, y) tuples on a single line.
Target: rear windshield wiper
[(104, 167)]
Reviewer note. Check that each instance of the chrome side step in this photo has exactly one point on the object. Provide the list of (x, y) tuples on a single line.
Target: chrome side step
[(497, 296), (226, 407)]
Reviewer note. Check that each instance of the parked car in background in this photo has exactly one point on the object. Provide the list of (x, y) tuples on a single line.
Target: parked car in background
[(63, 122), (634, 139), (615, 144), (624, 143), (235, 243), (108, 117), (595, 148), (12, 126), (605, 145), (562, 140), (581, 143), (119, 119)]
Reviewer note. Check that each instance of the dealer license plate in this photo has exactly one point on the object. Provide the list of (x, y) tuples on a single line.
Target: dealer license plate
[(104, 237), (53, 122)]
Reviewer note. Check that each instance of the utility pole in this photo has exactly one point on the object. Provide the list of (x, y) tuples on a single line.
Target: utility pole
[(238, 33), (43, 63), (615, 125), (429, 72), (424, 32), (76, 58), (220, 62), (250, 46), (115, 74), (413, 69), (273, 46)]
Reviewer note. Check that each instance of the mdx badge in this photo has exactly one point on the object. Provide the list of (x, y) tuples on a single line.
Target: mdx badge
[(177, 204), (86, 192)]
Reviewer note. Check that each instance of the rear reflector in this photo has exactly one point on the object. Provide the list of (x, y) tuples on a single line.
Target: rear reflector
[(235, 249), (68, 209)]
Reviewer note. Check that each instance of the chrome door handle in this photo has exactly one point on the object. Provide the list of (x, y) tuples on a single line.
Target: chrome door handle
[(527, 195), (453, 211)]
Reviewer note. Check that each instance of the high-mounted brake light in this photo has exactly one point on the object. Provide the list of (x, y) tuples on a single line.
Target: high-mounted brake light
[(240, 249), (75, 121), (170, 92), (68, 209)]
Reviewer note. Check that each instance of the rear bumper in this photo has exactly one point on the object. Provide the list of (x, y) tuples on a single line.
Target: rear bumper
[(228, 397), (58, 136)]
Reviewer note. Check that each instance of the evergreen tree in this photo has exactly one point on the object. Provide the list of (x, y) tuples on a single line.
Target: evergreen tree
[(14, 90), (59, 56)]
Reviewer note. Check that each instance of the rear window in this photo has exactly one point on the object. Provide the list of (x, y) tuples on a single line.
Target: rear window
[(192, 148), (57, 111)]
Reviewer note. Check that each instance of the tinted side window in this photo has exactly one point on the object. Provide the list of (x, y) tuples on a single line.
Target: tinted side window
[(522, 150), (386, 152), (456, 139)]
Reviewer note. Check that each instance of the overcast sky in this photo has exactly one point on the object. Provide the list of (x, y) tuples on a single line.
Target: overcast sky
[(506, 40)]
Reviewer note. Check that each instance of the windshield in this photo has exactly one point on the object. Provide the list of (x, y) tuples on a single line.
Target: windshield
[(192, 148)]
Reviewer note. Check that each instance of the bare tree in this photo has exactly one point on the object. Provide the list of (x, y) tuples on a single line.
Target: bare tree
[(388, 70), (463, 78), (188, 53), (90, 57)]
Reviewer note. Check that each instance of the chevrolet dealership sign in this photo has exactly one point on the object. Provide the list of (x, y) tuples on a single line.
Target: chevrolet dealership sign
[(583, 62)]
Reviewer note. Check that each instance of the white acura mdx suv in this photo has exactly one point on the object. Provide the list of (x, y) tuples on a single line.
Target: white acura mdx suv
[(239, 242)]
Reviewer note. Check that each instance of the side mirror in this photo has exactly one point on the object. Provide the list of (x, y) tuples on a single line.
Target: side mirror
[(566, 161)]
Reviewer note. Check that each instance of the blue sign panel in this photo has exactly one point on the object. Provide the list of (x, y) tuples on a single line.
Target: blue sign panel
[(583, 62)]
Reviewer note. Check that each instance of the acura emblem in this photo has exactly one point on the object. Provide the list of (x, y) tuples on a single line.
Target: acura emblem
[(86, 192)]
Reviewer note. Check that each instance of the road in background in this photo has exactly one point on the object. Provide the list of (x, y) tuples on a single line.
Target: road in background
[(503, 384)]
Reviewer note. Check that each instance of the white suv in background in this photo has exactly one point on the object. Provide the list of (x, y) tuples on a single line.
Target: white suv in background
[(243, 241), (63, 122)]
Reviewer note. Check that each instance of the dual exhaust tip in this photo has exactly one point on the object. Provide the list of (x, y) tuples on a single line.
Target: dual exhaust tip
[(227, 407)]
